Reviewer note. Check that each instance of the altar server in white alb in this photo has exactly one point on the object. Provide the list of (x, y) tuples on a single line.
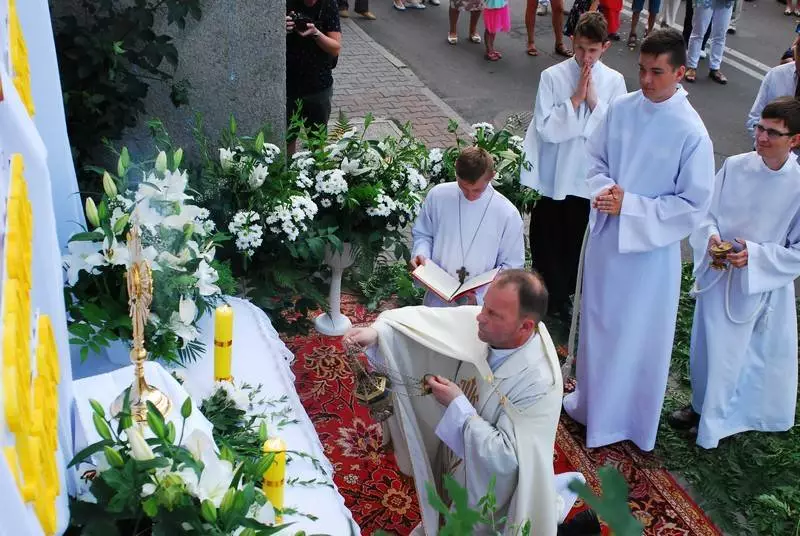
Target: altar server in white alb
[(570, 103), (467, 227), (651, 180), (744, 337), (496, 400), (780, 81)]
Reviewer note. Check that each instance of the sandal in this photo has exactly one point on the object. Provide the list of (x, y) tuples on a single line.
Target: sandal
[(452, 39), (718, 77), (788, 12), (632, 39), (399, 6), (532, 50), (690, 76), (475, 38), (492, 56), (561, 51)]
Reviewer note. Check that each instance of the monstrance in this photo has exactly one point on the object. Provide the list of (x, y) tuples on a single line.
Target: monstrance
[(140, 295)]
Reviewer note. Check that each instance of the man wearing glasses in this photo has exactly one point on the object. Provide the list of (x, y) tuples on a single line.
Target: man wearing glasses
[(744, 336), (780, 81)]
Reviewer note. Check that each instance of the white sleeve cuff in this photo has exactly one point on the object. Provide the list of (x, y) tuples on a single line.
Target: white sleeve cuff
[(451, 426)]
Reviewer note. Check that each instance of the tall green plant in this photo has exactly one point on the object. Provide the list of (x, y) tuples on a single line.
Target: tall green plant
[(108, 55)]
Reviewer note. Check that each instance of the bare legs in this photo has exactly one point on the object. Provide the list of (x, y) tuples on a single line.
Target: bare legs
[(558, 25), (474, 17)]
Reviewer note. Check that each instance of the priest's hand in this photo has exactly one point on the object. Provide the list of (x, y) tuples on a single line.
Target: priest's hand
[(609, 201), (419, 260), (739, 259), (443, 390), (364, 337), (582, 88), (713, 240)]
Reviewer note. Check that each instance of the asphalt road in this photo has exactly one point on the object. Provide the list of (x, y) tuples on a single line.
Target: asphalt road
[(491, 91)]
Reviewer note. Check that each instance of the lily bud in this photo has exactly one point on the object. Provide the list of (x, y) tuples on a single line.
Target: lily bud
[(227, 501), (140, 450), (177, 157), (161, 162), (91, 212), (121, 223), (108, 185), (209, 511), (113, 457)]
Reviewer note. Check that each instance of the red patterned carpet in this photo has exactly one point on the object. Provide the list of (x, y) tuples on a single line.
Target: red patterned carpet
[(380, 497)]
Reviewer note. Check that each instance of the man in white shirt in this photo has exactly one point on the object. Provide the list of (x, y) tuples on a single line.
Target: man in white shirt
[(744, 335), (467, 227), (572, 97), (780, 81), (498, 415), (651, 180)]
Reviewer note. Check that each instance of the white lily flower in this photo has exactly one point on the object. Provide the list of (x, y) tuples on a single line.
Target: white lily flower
[(215, 480), (199, 444), (148, 489), (353, 167), (184, 330), (226, 159), (206, 277), (140, 450), (114, 253), (187, 309), (188, 214), (258, 175), (83, 255)]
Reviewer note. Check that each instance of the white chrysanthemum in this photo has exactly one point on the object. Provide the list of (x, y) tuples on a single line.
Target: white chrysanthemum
[(384, 206), (516, 142), (270, 152), (415, 179), (435, 155), (331, 182), (487, 128), (247, 231), (326, 203)]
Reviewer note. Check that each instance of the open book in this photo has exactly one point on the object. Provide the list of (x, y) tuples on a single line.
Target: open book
[(445, 285)]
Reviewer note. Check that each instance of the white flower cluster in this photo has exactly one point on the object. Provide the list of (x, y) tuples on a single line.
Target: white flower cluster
[(270, 152), (415, 179), (331, 182), (258, 175), (516, 142), (385, 206), (488, 129), (247, 231), (290, 217)]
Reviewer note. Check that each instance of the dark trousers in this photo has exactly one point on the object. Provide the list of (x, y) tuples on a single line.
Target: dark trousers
[(687, 25), (361, 6), (557, 229)]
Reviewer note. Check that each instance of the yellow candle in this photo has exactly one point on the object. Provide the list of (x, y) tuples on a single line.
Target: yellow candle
[(275, 476), (223, 342)]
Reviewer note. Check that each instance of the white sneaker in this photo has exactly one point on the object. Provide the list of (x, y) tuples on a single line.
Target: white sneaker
[(543, 8), (704, 53), (434, 2)]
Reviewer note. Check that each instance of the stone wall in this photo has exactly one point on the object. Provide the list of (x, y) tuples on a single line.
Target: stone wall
[(234, 59)]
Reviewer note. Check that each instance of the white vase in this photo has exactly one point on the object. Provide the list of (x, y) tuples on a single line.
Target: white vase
[(334, 323)]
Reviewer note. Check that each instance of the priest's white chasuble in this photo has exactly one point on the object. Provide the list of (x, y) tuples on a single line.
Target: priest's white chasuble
[(488, 234), (555, 143), (662, 157), (511, 437), (744, 336)]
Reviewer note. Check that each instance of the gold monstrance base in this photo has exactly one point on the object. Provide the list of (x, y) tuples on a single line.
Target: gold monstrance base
[(140, 394)]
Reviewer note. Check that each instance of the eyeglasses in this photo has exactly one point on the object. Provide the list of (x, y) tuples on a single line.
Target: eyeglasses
[(771, 132)]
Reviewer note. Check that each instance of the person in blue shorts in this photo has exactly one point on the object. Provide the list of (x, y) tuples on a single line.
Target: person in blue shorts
[(653, 7)]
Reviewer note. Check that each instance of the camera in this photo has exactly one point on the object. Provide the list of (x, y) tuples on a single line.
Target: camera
[(301, 21)]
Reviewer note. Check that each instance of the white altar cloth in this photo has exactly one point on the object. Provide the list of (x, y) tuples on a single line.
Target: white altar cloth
[(259, 357)]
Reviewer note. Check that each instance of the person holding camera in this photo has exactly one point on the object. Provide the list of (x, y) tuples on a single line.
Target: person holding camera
[(313, 42)]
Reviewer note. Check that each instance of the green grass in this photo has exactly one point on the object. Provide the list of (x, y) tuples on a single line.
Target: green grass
[(750, 484)]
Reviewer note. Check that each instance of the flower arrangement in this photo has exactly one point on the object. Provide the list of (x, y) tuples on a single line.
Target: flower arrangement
[(277, 246), (169, 484), (179, 241), (369, 190), (509, 160)]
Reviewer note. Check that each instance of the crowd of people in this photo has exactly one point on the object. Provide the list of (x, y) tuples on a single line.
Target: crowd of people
[(625, 177)]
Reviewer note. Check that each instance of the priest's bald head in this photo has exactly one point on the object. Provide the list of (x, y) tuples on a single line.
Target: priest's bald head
[(513, 306)]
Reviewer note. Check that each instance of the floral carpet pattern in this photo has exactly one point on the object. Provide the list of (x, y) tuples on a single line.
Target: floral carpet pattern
[(380, 497)]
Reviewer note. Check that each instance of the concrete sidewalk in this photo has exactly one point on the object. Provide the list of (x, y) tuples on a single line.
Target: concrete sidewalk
[(368, 78)]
